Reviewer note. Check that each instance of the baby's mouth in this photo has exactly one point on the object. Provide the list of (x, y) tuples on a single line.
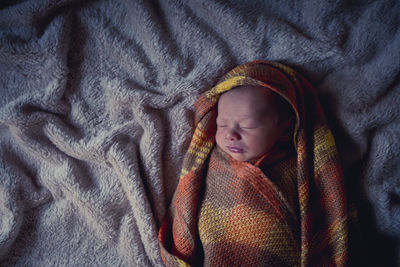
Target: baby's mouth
[(234, 149)]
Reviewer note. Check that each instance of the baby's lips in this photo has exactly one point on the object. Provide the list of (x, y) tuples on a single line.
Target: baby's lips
[(233, 149)]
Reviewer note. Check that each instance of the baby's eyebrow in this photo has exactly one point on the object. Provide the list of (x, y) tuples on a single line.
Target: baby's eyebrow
[(247, 117)]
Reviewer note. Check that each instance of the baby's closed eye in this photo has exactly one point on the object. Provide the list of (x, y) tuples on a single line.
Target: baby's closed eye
[(248, 127), (249, 124), (221, 123)]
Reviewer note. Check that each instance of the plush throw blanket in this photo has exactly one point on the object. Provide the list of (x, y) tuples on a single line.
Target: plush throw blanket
[(228, 213), (97, 107)]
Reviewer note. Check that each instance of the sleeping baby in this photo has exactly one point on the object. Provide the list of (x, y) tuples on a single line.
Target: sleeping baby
[(261, 184)]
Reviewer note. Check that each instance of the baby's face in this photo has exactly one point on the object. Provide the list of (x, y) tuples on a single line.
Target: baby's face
[(248, 123)]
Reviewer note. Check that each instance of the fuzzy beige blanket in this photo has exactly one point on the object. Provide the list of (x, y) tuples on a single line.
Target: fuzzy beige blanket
[(96, 113)]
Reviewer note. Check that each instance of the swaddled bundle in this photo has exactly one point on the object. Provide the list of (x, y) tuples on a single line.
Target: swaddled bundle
[(286, 208)]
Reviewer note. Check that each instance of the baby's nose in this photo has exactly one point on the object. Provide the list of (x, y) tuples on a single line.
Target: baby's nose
[(232, 135)]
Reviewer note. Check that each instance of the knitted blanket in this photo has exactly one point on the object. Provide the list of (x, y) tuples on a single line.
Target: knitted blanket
[(229, 213)]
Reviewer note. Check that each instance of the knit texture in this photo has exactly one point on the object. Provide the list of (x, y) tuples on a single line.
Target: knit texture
[(230, 213)]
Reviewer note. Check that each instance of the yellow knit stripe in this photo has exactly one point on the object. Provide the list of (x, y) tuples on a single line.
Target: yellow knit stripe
[(224, 86), (211, 228), (200, 146), (287, 70), (324, 148), (181, 263), (199, 132), (200, 152), (184, 172)]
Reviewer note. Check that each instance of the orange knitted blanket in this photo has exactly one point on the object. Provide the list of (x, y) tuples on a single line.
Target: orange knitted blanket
[(289, 212)]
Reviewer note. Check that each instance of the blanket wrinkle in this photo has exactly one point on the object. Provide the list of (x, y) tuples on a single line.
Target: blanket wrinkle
[(126, 170), (82, 81)]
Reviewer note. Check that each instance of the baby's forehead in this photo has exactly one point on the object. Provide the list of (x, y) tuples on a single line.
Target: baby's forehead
[(252, 95), (254, 102)]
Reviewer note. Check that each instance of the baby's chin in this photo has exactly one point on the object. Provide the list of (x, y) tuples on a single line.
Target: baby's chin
[(244, 157), (239, 156)]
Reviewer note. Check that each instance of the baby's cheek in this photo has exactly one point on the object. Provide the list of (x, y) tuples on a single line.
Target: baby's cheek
[(254, 136), (218, 138), (253, 143), (258, 142)]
